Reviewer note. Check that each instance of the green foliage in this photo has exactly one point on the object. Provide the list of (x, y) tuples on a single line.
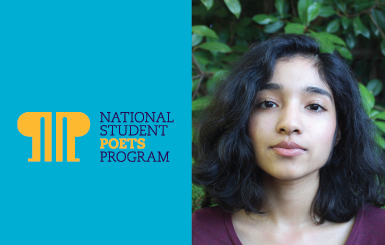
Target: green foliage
[(313, 11), (200, 103), (197, 196), (294, 28), (274, 27), (367, 98), (359, 28), (303, 6), (282, 6), (215, 46), (326, 11), (264, 19), (374, 86), (204, 31), (234, 6), (383, 47), (208, 3), (224, 29), (333, 26)]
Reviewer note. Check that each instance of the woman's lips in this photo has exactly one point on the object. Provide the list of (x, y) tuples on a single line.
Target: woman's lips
[(287, 152), (287, 149)]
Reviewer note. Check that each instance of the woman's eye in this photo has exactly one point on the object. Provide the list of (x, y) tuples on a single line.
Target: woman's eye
[(315, 107), (267, 104)]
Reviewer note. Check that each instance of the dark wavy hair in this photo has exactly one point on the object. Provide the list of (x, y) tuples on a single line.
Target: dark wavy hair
[(225, 165)]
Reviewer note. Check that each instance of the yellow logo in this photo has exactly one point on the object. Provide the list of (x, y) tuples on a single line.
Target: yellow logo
[(78, 125)]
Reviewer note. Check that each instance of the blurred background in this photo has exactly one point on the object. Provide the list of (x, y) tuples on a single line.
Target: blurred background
[(222, 30)]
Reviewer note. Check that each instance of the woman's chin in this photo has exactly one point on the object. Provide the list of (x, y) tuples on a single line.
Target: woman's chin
[(288, 174)]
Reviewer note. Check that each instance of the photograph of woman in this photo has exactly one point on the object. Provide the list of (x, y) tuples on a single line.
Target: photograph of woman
[(287, 153)]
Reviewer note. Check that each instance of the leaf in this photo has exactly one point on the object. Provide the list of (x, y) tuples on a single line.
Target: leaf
[(211, 39), (341, 5), (345, 22), (195, 84), (264, 19), (380, 115), (326, 46), (380, 141), (379, 17), (374, 113), (202, 53), (213, 68), (214, 46), (374, 29), (230, 58), (274, 27), (326, 2), (294, 28), (331, 37), (313, 11), (374, 86), (303, 5), (280, 6), (202, 61), (360, 5), (333, 26), (345, 52), (234, 6), (200, 103), (197, 196), (383, 47), (326, 11), (208, 3), (196, 39), (359, 28), (204, 31), (380, 125), (367, 98), (350, 41)]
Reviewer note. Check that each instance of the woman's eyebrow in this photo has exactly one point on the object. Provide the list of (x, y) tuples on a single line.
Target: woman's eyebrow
[(272, 86), (311, 89), (316, 90)]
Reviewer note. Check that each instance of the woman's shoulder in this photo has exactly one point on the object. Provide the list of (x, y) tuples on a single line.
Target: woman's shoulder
[(369, 226), (372, 210), (209, 226), (373, 215), (212, 214)]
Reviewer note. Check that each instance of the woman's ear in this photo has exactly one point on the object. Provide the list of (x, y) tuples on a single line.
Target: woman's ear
[(338, 136)]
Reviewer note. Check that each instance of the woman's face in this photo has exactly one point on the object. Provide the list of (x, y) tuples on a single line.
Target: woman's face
[(293, 123)]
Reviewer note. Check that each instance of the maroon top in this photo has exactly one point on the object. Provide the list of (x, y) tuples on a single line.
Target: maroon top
[(213, 226)]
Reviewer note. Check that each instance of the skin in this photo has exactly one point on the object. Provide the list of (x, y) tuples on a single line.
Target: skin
[(290, 111)]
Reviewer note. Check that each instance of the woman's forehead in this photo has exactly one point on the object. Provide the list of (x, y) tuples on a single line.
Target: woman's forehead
[(297, 73)]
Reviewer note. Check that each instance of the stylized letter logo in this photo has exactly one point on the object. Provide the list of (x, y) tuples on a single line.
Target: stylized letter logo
[(78, 125)]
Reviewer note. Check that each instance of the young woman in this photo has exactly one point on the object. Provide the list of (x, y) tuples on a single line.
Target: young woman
[(288, 153)]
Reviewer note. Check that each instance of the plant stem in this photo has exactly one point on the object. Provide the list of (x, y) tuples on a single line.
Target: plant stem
[(375, 23), (379, 108), (196, 90), (197, 66)]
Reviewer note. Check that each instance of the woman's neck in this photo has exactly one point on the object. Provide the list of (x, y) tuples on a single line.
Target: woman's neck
[(289, 201)]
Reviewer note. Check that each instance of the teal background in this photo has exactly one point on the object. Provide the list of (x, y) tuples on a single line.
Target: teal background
[(93, 56)]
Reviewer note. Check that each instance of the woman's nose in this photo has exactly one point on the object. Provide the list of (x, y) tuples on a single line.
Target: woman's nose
[(290, 121)]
